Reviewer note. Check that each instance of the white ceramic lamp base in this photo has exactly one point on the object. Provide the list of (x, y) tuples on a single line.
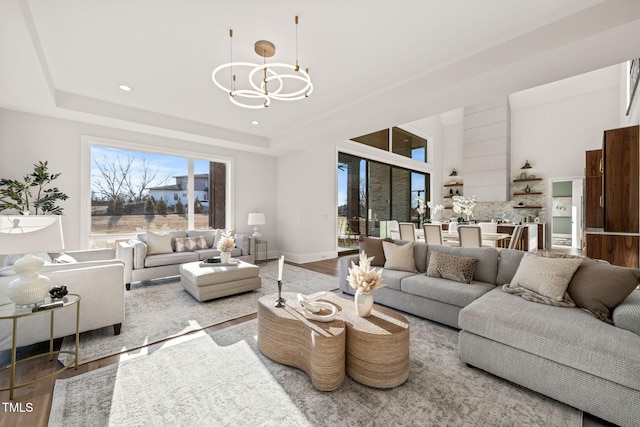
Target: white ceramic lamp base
[(30, 287)]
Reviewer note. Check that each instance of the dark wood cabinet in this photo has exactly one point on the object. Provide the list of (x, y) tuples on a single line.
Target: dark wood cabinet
[(621, 192), (613, 231), (593, 211), (618, 249)]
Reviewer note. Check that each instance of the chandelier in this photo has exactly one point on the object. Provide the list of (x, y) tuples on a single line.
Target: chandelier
[(265, 82)]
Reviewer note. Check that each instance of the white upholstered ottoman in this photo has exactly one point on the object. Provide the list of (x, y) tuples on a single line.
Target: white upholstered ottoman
[(205, 282)]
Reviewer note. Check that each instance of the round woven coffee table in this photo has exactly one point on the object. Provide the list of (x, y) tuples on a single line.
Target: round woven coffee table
[(377, 346)]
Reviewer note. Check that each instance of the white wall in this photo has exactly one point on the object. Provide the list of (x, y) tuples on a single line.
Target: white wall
[(26, 138), (553, 136)]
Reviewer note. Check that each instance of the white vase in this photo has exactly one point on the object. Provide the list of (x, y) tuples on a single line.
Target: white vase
[(225, 257), (364, 303)]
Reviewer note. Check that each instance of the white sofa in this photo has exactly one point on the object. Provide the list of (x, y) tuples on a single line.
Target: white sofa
[(99, 280), (140, 266)]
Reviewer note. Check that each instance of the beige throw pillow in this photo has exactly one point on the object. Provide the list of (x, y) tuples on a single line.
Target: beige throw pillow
[(186, 244), (399, 257), (158, 243), (548, 277), (452, 267)]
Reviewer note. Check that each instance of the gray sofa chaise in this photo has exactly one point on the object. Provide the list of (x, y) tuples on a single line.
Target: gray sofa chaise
[(142, 264), (565, 353)]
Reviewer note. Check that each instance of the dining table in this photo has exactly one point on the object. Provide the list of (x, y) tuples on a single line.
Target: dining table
[(452, 238)]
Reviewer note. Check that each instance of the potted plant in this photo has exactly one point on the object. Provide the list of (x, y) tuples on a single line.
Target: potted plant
[(17, 195), (364, 279)]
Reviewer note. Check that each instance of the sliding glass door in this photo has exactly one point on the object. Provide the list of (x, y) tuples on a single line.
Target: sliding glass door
[(371, 193)]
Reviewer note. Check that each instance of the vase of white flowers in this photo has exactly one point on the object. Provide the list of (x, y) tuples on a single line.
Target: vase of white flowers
[(225, 245), (364, 279), (464, 205), (422, 208)]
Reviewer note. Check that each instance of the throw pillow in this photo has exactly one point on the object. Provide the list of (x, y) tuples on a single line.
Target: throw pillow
[(373, 248), (548, 277), (398, 257), (158, 243), (11, 259), (64, 259), (452, 267), (599, 287), (187, 244)]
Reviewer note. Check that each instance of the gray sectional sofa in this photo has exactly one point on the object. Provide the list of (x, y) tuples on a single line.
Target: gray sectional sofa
[(140, 265), (565, 353)]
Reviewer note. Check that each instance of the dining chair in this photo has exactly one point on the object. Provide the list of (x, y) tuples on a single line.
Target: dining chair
[(408, 231), (432, 234), (516, 237), (470, 236), (488, 227), (394, 230)]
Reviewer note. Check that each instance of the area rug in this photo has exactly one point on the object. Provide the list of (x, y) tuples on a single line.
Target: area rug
[(440, 391), (194, 383), (159, 309)]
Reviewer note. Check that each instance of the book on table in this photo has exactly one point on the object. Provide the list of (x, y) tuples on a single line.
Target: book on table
[(216, 262)]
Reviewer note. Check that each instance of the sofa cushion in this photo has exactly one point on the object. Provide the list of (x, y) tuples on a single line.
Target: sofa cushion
[(209, 235), (186, 244), (627, 314), (487, 268), (599, 287), (452, 267), (64, 259), (508, 262), (372, 246), (170, 259), (399, 257), (158, 243), (568, 336), (444, 290), (548, 277), (392, 279), (243, 242)]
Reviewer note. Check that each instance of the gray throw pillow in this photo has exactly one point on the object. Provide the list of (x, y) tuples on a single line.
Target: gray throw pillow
[(548, 277)]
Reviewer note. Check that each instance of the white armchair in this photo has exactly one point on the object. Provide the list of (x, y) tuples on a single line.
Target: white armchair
[(99, 280)]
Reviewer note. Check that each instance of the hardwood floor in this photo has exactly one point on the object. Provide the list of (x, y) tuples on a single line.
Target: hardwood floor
[(31, 404)]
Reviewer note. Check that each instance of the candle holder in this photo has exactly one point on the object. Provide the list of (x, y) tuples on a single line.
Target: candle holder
[(280, 300)]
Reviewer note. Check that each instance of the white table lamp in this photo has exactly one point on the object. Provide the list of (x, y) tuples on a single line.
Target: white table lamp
[(256, 219), (25, 235)]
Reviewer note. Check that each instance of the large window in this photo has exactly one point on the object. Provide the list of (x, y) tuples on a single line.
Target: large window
[(135, 191), (398, 141), (371, 193)]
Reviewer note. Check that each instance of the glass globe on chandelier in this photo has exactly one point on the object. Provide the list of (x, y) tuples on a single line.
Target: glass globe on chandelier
[(291, 82)]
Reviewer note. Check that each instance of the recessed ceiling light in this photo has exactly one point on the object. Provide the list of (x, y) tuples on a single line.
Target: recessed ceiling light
[(255, 122), (125, 88)]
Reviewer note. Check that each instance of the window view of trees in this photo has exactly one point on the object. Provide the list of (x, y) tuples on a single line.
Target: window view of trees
[(134, 191)]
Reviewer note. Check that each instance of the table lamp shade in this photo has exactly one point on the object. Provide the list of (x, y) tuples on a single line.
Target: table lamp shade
[(256, 219), (25, 235)]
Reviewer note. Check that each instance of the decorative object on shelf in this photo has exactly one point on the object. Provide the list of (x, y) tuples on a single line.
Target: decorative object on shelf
[(364, 279), (311, 307), (225, 245), (280, 300), (523, 175), (521, 204), (532, 176), (464, 205), (527, 165), (259, 93), (453, 172), (527, 189), (457, 192), (256, 219), (16, 195), (26, 235), (451, 191), (58, 292)]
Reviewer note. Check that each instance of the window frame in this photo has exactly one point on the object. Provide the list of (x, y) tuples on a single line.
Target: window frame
[(88, 141)]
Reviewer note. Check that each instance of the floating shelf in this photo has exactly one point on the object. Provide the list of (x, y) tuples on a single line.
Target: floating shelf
[(527, 179), (453, 185), (527, 194), (526, 207)]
